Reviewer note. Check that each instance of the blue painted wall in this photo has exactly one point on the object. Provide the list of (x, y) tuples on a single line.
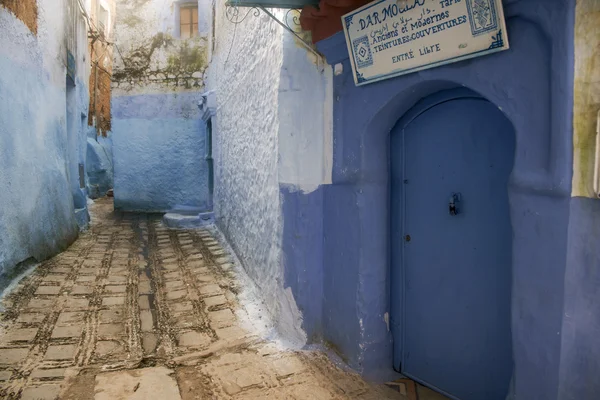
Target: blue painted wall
[(42, 138), (580, 363), (302, 245), (158, 153), (76, 123), (532, 84), (99, 163)]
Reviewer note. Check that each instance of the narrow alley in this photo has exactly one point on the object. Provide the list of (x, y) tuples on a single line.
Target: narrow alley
[(134, 307)]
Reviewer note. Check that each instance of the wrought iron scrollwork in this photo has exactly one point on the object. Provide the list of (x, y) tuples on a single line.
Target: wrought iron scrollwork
[(290, 22), (233, 14)]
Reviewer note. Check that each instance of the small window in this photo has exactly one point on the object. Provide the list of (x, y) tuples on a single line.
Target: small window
[(103, 20), (188, 21)]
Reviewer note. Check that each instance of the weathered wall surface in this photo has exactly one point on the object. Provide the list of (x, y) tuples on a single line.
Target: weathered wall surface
[(152, 58), (42, 136), (269, 150), (586, 98), (157, 135), (580, 362), (25, 10), (101, 60)]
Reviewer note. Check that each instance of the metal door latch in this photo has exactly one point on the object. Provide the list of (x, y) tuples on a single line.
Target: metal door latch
[(453, 204)]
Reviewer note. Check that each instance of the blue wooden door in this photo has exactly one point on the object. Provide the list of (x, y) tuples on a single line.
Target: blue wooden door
[(452, 282)]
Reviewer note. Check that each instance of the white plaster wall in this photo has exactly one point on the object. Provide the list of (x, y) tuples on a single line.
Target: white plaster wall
[(37, 154), (147, 36), (305, 110), (272, 127)]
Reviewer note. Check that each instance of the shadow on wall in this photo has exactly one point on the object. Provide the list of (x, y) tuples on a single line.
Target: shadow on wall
[(99, 166)]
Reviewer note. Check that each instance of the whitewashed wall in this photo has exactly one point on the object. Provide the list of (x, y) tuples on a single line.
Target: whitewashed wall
[(272, 128)]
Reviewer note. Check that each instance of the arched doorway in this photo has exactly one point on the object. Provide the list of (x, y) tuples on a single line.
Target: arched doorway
[(452, 246)]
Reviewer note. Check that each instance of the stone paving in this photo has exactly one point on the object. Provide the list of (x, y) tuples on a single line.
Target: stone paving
[(133, 310)]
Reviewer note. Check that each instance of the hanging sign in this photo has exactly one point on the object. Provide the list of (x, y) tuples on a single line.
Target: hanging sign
[(387, 38)]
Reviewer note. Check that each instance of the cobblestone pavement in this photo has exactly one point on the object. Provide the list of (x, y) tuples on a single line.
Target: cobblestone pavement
[(133, 310)]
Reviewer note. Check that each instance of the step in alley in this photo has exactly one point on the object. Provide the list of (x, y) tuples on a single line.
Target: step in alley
[(133, 310)]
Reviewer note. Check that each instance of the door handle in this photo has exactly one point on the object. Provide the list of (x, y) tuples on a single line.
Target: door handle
[(453, 208)]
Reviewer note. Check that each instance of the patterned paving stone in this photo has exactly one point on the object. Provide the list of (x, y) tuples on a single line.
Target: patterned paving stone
[(176, 294), (180, 307), (110, 330), (42, 392), (66, 332), (76, 303), (107, 348), (36, 303), (113, 300), (193, 339), (60, 352), (47, 290), (13, 356), (221, 318), (215, 301), (116, 279), (135, 293), (70, 317), (5, 375), (287, 366), (115, 289), (147, 321), (85, 278), (48, 373), (31, 318), (54, 278), (144, 302), (174, 285), (210, 290), (114, 314), (82, 290), (149, 342), (21, 335)]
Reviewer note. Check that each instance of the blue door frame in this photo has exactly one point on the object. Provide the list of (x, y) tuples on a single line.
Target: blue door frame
[(398, 272)]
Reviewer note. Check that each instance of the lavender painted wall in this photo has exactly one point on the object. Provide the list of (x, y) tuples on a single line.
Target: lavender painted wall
[(532, 84), (580, 362)]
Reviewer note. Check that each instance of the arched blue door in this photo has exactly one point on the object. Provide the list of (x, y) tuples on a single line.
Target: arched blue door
[(452, 248)]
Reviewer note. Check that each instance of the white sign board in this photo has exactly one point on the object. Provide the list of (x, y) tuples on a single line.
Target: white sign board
[(388, 38)]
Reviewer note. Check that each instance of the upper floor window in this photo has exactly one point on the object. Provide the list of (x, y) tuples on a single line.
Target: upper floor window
[(104, 20), (188, 21)]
